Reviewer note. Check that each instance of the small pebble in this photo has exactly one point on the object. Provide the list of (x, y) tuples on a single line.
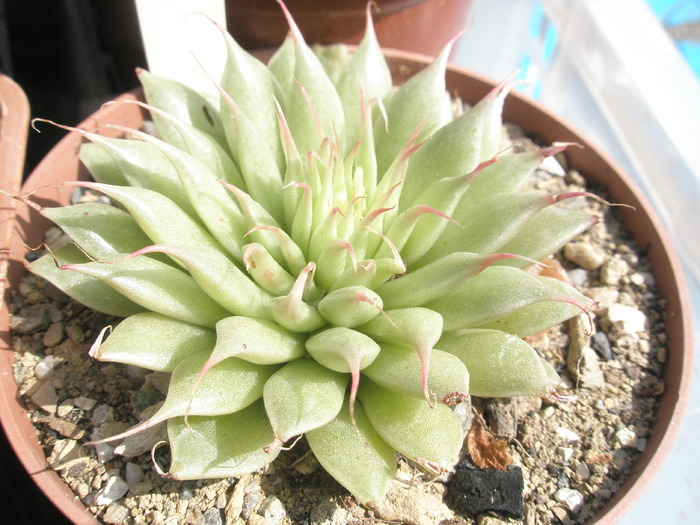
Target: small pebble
[(630, 319), (567, 435), (565, 453), (601, 344), (584, 365), (641, 444), (111, 491), (272, 510), (612, 272), (212, 516), (329, 513), (626, 437), (66, 428), (578, 276), (45, 368), (30, 319), (64, 451), (582, 471), (133, 473), (101, 415), (585, 255), (84, 403), (186, 492), (46, 398), (570, 498), (661, 355), (561, 514), (115, 513), (250, 501), (53, 335)]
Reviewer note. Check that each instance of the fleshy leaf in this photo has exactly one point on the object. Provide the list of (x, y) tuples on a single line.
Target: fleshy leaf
[(87, 290), (350, 306), (183, 103), (155, 286), (547, 231), (365, 76), (537, 317), (155, 342), (220, 446), (435, 279), (500, 364), (313, 108), (102, 231), (301, 396), (101, 164), (399, 369), (255, 89), (418, 328), (141, 165), (496, 292), (254, 340), (486, 224), (420, 102), (206, 196), (458, 147), (230, 386), (218, 277), (412, 426), (355, 455)]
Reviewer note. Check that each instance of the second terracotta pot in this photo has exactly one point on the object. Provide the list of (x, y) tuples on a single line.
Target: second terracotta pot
[(421, 26)]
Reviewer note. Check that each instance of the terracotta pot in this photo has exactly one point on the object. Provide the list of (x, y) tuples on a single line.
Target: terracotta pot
[(421, 26), (62, 164)]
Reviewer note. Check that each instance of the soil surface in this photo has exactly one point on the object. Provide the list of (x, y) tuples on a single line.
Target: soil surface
[(573, 454)]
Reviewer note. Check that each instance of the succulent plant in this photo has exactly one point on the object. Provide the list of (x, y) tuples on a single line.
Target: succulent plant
[(318, 253)]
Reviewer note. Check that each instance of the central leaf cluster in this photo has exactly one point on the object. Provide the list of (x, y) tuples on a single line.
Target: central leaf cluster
[(321, 253)]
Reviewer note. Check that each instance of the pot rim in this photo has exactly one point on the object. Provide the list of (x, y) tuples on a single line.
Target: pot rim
[(591, 162)]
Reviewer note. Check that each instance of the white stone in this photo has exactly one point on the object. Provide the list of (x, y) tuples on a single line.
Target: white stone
[(626, 437), (548, 412), (104, 452), (565, 453), (45, 368), (133, 473), (631, 319), (613, 271), (567, 435), (570, 498), (586, 255), (111, 491)]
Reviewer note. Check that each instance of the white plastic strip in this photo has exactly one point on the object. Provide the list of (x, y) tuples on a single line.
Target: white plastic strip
[(650, 98), (174, 32)]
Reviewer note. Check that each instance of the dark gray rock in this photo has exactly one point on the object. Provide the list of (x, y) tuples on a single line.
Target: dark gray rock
[(476, 490), (601, 344)]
